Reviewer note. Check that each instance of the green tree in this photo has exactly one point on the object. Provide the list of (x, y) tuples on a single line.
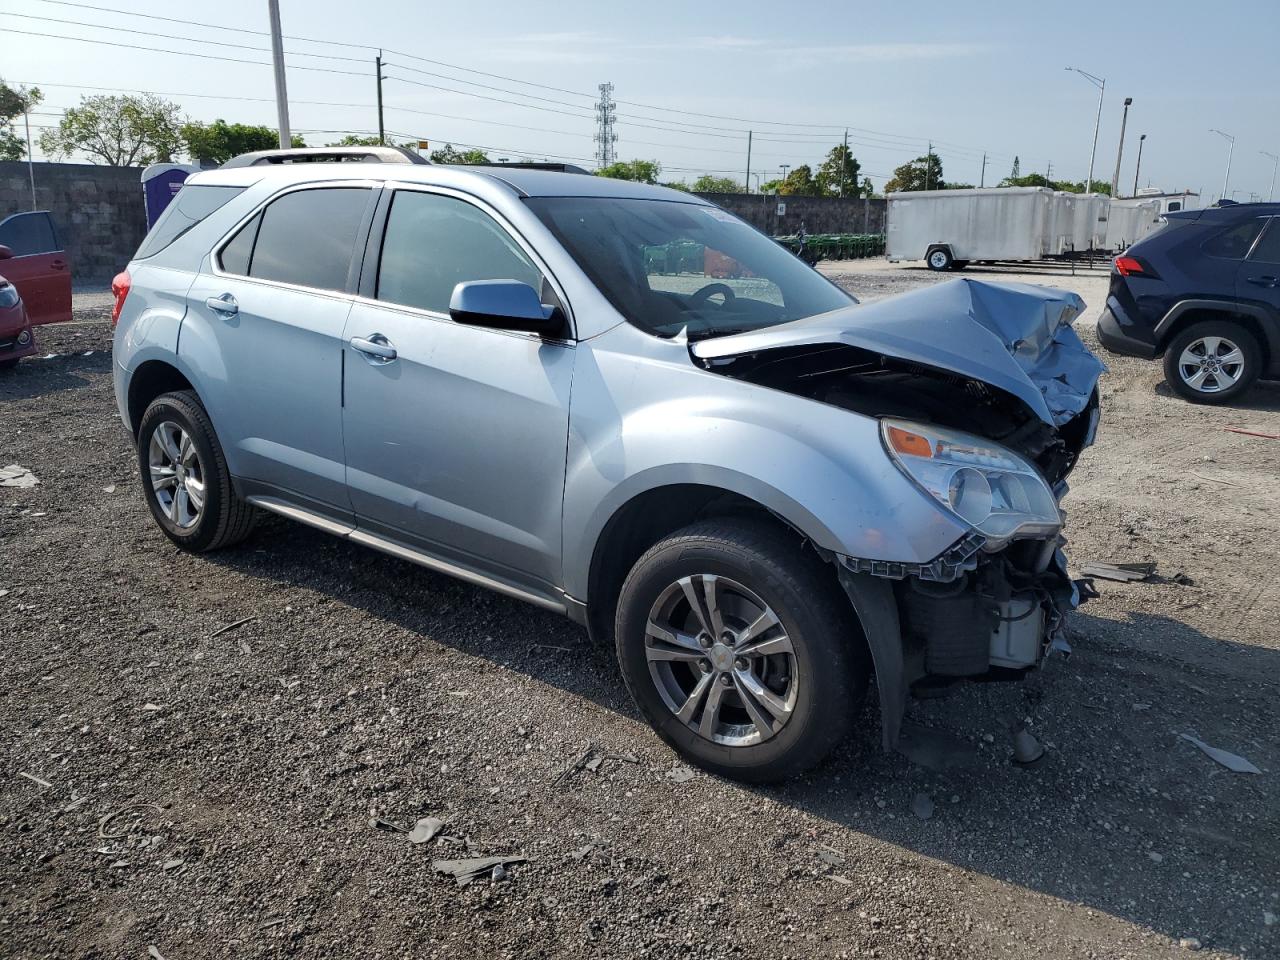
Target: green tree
[(641, 171), (770, 186), (800, 183), (219, 141), (709, 184), (922, 173), (1040, 180), (958, 186), (14, 102), (119, 130), (677, 185), (830, 180), (447, 154)]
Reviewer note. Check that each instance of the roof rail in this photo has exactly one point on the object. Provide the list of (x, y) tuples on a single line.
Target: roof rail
[(325, 155), (530, 165)]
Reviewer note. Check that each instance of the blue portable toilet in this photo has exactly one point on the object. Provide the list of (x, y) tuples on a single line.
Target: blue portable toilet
[(160, 184)]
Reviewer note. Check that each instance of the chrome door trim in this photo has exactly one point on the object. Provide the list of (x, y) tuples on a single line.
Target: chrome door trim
[(309, 517)]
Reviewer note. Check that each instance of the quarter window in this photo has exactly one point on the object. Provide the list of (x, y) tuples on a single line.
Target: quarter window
[(432, 243), (306, 238), (1234, 242), (1268, 249), (193, 203)]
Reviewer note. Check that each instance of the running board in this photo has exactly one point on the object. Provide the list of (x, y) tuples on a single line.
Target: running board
[(396, 549)]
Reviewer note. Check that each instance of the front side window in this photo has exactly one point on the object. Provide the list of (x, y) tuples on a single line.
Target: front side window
[(306, 238), (432, 243), (27, 234), (669, 266), (1233, 243)]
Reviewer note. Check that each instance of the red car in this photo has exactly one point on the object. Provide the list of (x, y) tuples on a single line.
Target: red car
[(35, 282)]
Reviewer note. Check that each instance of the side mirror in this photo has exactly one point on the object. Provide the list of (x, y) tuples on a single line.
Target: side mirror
[(5, 252), (504, 305)]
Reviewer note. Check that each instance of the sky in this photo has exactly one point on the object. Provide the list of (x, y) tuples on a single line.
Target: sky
[(690, 79)]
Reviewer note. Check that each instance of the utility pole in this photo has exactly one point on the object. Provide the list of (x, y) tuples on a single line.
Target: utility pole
[(605, 137), (784, 167), (748, 183), (1101, 84), (928, 165), (31, 166), (277, 61), (1271, 194), (382, 130), (1124, 121), (982, 180), (1230, 150), (1048, 174), (1136, 170), (844, 160)]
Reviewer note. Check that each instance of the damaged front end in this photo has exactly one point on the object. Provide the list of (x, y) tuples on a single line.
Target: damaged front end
[(986, 399)]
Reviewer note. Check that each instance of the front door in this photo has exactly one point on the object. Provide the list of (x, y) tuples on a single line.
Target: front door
[(264, 328), (457, 445), (37, 266)]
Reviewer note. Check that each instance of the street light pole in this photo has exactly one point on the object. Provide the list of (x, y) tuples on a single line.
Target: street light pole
[(1230, 150), (1141, 138), (1124, 122), (1101, 84), (277, 61), (1275, 162)]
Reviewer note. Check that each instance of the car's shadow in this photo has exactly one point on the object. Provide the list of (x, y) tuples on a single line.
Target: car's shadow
[(1263, 397), (38, 377), (1121, 815)]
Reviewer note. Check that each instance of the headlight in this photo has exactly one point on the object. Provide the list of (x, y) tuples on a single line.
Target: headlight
[(8, 296), (991, 488)]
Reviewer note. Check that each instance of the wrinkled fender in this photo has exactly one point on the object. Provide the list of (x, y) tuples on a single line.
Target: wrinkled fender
[(643, 416)]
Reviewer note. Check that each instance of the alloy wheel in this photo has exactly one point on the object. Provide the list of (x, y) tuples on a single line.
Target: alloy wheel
[(177, 475), (1211, 364), (721, 660)]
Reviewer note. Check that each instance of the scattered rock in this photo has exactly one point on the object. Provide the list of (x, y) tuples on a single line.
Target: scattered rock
[(1189, 943), (922, 806), (680, 775), (425, 829), (16, 476)]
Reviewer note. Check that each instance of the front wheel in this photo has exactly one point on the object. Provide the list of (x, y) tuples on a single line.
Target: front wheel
[(740, 650), (185, 477), (1212, 362)]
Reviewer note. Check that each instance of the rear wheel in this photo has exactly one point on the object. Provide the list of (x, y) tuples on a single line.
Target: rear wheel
[(1212, 362), (740, 650), (185, 477), (939, 259)]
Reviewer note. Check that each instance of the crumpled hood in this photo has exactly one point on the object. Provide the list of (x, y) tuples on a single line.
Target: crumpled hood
[(1015, 336)]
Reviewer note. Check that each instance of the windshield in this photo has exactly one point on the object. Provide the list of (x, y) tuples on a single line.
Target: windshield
[(668, 266)]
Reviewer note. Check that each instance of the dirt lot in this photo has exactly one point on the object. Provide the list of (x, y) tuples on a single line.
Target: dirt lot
[(248, 763)]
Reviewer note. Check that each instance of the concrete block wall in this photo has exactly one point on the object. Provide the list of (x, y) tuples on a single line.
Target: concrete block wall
[(98, 211), (819, 214)]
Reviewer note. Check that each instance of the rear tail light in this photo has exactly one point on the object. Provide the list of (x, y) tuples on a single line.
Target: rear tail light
[(120, 289), (1130, 267)]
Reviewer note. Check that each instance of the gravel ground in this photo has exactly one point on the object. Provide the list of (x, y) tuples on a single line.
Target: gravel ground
[(244, 765)]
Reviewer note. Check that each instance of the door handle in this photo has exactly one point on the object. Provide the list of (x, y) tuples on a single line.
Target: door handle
[(375, 347), (1264, 281), (224, 306), (58, 264)]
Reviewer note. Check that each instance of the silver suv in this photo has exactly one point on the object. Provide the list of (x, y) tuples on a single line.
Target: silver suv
[(621, 403)]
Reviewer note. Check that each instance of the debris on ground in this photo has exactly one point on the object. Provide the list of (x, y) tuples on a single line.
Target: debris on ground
[(1121, 572), (1026, 748), (578, 764), (425, 829), (109, 489), (106, 834), (922, 806), (1252, 433), (830, 855), (34, 779), (680, 775), (16, 476), (473, 868), (1231, 761), (379, 824), (231, 626), (154, 954)]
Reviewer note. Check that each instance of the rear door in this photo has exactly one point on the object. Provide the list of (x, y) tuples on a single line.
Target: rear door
[(1259, 278), (264, 331), (38, 266)]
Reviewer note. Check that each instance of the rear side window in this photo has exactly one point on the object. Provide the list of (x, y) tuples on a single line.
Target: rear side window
[(432, 243), (306, 238), (1233, 243), (26, 234), (193, 203), (1268, 249)]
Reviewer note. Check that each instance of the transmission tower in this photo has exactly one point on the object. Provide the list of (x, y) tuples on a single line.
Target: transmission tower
[(605, 137)]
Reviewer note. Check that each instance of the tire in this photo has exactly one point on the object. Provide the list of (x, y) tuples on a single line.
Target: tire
[(939, 259), (1194, 367), (822, 679), (221, 518)]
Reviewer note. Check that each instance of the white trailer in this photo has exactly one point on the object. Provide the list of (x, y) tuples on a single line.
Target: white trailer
[(1128, 221), (948, 228)]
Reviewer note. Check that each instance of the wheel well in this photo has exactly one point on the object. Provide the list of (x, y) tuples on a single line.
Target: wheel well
[(1200, 315), (642, 522), (149, 381)]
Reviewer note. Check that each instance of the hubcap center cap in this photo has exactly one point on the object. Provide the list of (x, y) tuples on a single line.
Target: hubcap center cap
[(721, 656)]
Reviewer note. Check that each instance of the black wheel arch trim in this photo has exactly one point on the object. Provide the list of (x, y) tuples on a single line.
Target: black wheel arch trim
[(1266, 319), (877, 611)]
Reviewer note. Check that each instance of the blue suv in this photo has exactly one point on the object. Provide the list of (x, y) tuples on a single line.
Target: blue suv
[(1203, 291)]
